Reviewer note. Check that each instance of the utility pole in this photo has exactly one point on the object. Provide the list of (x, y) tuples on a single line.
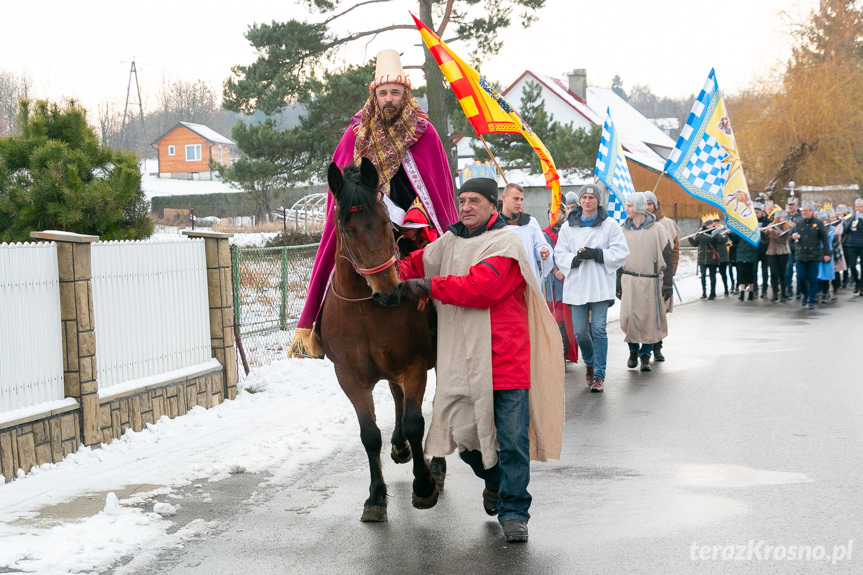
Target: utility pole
[(133, 73)]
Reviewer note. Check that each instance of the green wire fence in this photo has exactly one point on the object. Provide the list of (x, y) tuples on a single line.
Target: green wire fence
[(269, 291)]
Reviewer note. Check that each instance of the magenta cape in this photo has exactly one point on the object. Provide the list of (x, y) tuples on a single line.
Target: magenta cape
[(433, 167)]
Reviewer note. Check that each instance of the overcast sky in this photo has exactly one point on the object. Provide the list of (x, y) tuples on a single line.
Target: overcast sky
[(84, 49)]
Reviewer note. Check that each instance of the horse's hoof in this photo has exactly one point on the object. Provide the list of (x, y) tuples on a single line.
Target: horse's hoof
[(374, 514), (401, 455), (426, 502)]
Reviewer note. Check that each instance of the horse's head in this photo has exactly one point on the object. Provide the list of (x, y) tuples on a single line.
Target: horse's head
[(365, 233)]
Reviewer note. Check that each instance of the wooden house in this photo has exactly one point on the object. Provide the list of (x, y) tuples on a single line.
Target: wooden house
[(185, 151)]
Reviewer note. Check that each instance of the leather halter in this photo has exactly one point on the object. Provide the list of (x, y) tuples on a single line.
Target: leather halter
[(353, 259)]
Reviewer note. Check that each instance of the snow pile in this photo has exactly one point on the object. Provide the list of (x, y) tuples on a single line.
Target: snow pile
[(287, 414)]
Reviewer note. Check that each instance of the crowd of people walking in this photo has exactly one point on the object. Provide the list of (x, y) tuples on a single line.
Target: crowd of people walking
[(808, 252)]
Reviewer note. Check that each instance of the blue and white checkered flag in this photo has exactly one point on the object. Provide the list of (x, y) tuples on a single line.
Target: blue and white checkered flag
[(706, 162), (615, 207), (612, 171)]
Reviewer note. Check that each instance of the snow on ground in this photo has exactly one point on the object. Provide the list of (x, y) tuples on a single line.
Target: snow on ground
[(287, 414), (68, 518), (153, 185)]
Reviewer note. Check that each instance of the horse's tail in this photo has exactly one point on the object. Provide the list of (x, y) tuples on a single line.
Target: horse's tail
[(306, 343)]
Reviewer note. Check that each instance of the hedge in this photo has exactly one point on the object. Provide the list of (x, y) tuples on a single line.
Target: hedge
[(220, 205)]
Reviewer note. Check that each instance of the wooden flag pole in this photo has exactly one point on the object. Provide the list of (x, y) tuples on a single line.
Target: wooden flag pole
[(490, 155), (657, 181)]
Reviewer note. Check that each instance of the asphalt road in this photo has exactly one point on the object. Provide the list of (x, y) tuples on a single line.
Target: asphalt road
[(739, 454)]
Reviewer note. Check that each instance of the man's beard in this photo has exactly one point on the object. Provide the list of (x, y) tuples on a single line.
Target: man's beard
[(390, 114)]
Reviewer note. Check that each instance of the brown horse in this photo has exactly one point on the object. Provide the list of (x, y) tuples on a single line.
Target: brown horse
[(369, 334)]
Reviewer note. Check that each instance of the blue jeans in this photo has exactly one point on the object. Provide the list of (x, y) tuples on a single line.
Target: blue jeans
[(511, 474), (590, 334), (807, 280), (646, 348)]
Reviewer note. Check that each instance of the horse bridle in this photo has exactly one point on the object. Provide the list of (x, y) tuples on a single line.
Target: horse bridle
[(353, 259)]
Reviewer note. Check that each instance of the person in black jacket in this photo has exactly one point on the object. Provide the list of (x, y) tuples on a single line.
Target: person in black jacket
[(813, 246), (710, 241), (852, 243), (763, 222)]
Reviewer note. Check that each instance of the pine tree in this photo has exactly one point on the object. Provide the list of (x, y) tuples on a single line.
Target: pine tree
[(55, 175), (293, 54)]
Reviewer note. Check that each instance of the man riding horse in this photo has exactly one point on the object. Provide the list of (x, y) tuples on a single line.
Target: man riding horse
[(395, 134)]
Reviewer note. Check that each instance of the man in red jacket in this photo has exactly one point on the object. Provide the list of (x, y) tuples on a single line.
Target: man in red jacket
[(498, 345)]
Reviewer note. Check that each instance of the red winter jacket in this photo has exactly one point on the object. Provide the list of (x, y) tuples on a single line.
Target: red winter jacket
[(495, 284)]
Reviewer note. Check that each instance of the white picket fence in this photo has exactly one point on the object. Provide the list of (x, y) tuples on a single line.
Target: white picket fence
[(151, 310), (31, 340)]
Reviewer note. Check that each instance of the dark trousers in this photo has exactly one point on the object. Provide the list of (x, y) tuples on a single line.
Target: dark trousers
[(765, 270), (641, 349), (807, 280), (726, 272), (778, 263), (511, 474), (852, 254), (704, 271)]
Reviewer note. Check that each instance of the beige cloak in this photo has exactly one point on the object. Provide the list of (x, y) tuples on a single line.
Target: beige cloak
[(673, 234), (638, 308), (463, 409)]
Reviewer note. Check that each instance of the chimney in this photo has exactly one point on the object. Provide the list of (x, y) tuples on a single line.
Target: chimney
[(578, 83)]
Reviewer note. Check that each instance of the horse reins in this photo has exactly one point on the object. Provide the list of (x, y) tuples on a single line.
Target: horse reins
[(353, 261)]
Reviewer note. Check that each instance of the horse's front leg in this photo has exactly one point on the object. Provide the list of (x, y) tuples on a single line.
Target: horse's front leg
[(401, 450), (425, 490), (375, 508)]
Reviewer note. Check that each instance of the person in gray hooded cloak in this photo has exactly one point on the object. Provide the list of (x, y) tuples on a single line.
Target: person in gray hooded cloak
[(645, 281)]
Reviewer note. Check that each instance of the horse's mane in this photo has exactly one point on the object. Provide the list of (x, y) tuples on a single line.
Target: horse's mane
[(354, 195)]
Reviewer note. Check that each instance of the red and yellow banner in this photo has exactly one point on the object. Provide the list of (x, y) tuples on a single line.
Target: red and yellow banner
[(485, 108)]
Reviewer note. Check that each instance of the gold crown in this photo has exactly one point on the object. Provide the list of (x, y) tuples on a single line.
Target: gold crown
[(827, 206), (709, 217)]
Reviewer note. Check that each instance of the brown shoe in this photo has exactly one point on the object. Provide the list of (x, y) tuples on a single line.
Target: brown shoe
[(588, 375), (596, 386)]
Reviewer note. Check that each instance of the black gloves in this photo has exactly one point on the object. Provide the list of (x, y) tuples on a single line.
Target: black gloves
[(575, 262), (588, 253), (416, 288), (667, 291)]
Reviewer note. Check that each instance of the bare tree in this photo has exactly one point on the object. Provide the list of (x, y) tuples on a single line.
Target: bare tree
[(12, 89), (195, 102), (110, 118), (807, 125), (176, 101)]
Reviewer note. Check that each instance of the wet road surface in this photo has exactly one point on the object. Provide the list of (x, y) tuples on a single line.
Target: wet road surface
[(739, 454)]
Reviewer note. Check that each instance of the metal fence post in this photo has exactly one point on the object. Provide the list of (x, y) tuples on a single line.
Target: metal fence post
[(283, 288), (235, 271)]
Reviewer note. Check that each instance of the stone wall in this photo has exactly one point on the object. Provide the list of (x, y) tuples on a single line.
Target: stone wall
[(45, 439), (174, 398)]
